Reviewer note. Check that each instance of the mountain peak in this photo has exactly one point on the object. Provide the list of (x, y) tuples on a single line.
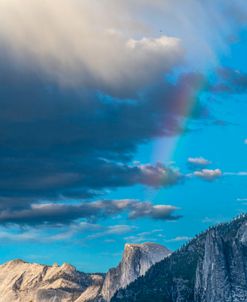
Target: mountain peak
[(68, 267), (140, 245), (16, 261), (137, 259), (154, 247)]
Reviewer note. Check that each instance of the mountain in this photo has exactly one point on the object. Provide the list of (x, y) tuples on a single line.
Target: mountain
[(26, 282), (136, 260), (210, 268)]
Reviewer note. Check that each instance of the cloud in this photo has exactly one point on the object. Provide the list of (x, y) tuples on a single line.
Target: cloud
[(46, 235), (79, 181), (160, 212), (198, 162), (114, 230), (52, 214), (63, 41), (241, 199), (230, 81), (155, 235), (179, 239), (214, 220), (55, 37), (239, 173), (112, 45), (208, 174), (245, 141)]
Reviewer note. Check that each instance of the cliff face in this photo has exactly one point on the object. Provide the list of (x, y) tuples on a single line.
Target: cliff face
[(137, 259), (25, 282), (222, 274), (211, 268)]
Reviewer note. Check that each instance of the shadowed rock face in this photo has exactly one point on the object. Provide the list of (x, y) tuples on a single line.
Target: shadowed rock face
[(222, 274), (137, 259), (25, 282), (211, 268)]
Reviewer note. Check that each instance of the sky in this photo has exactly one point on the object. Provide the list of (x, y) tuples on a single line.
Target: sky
[(121, 121)]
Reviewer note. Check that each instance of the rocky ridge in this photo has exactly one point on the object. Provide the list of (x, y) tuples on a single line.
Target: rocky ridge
[(26, 282)]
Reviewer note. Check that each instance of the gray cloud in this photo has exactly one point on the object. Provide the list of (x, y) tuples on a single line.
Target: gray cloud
[(61, 142), (64, 214), (80, 181)]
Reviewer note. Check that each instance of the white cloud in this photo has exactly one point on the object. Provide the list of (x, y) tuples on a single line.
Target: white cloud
[(198, 161), (208, 174)]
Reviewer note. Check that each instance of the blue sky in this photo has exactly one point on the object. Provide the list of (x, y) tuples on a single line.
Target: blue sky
[(129, 129)]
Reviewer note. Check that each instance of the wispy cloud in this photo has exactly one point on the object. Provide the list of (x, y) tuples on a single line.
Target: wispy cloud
[(112, 231), (179, 239), (214, 220), (196, 162), (156, 235), (241, 199), (238, 173)]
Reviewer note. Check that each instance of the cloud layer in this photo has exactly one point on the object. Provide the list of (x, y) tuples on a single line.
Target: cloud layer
[(65, 214)]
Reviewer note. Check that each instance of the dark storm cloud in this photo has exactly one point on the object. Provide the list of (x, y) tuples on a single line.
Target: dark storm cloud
[(84, 179), (72, 142), (63, 214)]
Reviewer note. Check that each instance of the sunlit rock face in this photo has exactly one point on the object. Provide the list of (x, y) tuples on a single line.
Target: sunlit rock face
[(25, 282), (136, 260), (210, 268)]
